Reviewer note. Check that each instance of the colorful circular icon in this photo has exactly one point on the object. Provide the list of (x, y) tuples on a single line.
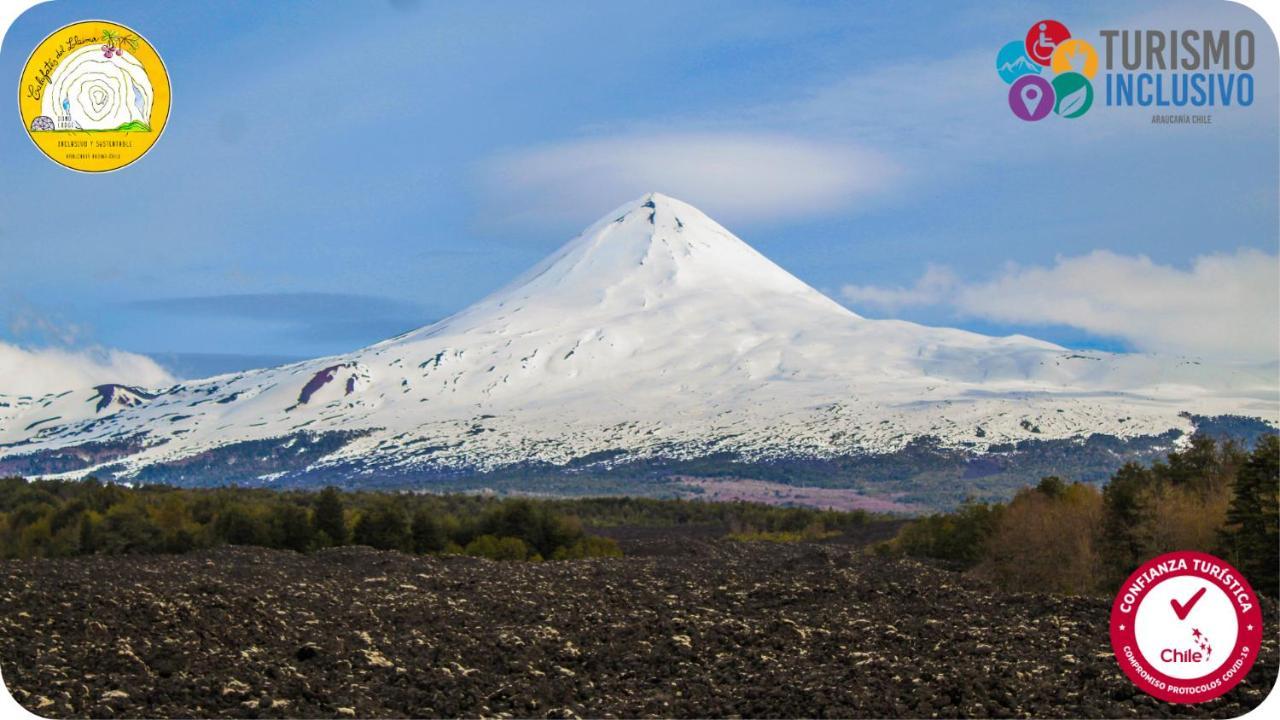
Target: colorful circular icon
[(1186, 627), (1075, 55), (1031, 97), (94, 96), (1043, 38), (1074, 95), (1012, 62)]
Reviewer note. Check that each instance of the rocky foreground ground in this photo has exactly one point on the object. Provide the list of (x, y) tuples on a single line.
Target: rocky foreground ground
[(702, 628)]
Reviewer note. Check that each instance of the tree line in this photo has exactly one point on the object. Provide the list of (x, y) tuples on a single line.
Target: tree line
[(1074, 538), (734, 517), (60, 518)]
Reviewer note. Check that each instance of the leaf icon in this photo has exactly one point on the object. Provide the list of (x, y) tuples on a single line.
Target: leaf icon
[(1073, 102)]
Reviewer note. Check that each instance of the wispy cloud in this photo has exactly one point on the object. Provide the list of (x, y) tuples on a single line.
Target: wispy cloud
[(305, 316), (283, 306), (49, 354), (742, 176), (901, 128), (935, 285), (29, 323), (38, 371), (1224, 306), (202, 365)]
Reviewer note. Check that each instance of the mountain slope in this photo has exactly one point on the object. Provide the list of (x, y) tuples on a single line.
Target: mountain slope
[(656, 333)]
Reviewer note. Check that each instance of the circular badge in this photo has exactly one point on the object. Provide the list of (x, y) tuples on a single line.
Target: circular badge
[(1186, 627), (1043, 38), (1012, 62), (1075, 56), (1031, 97), (1074, 95), (94, 96)]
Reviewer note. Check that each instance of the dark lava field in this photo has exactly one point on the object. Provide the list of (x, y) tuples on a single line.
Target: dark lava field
[(695, 628)]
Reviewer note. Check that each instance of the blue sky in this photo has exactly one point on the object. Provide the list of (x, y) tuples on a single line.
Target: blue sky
[(335, 173)]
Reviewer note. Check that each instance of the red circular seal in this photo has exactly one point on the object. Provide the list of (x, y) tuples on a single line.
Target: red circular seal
[(1186, 627), (1043, 38)]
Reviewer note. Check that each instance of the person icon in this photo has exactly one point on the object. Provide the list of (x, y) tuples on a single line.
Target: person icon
[(1043, 38), (1044, 46)]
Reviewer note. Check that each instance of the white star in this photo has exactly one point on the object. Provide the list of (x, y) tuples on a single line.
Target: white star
[(1122, 627), (1250, 628)]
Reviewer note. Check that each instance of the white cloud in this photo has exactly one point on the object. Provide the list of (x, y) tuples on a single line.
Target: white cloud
[(936, 284), (43, 370), (909, 126), (1225, 306), (30, 322), (739, 176)]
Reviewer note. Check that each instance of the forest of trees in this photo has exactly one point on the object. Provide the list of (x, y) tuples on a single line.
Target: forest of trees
[(59, 518), (56, 518), (1074, 538), (1057, 536)]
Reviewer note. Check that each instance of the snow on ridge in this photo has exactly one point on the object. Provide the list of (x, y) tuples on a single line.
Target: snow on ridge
[(657, 332)]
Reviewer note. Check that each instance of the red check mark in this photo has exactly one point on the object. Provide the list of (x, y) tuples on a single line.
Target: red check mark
[(1183, 609)]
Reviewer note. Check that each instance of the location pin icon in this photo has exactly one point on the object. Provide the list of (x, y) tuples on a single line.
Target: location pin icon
[(1031, 97)]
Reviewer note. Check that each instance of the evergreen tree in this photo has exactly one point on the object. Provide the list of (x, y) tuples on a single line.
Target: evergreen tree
[(1052, 486), (67, 515), (1125, 501), (384, 527), (237, 526), (126, 528), (428, 534), (1251, 538), (88, 538), (1194, 465), (329, 518), (1204, 466), (291, 527), (515, 518)]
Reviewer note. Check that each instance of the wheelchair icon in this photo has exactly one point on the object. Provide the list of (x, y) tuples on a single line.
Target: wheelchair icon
[(1043, 40), (1042, 49)]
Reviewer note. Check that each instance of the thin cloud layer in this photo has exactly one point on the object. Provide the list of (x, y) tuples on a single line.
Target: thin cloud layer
[(1225, 306), (307, 316), (935, 285), (737, 176), (38, 371), (281, 306)]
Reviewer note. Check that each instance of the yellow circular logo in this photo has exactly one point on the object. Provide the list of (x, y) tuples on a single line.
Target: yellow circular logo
[(1075, 56), (94, 96)]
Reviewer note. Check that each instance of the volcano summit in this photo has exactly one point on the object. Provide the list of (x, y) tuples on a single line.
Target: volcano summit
[(654, 344)]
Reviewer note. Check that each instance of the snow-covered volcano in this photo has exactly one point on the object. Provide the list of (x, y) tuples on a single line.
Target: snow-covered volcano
[(656, 333)]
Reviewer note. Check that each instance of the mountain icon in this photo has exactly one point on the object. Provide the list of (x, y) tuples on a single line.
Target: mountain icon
[(1020, 66), (1012, 62)]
